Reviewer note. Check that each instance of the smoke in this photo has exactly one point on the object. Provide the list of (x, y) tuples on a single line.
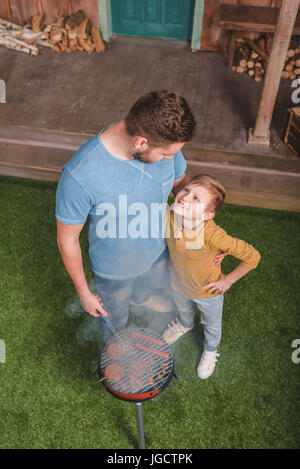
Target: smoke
[(89, 328), (142, 310)]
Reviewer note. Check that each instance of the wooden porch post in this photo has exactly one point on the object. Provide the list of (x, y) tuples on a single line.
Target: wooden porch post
[(105, 23), (197, 25), (284, 29)]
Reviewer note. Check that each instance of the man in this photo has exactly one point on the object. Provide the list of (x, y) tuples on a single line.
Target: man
[(133, 163)]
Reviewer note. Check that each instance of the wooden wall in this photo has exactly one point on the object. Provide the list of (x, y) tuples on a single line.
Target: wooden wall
[(211, 39), (211, 33), (22, 10)]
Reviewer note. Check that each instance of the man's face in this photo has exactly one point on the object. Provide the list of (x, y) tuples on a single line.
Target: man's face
[(152, 154)]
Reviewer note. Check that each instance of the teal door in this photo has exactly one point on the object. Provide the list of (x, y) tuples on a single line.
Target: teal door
[(170, 19)]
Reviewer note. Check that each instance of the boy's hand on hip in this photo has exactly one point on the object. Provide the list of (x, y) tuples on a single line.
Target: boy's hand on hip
[(219, 287), (91, 304), (219, 258)]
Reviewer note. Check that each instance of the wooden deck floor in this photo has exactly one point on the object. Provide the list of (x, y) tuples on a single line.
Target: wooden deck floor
[(65, 98)]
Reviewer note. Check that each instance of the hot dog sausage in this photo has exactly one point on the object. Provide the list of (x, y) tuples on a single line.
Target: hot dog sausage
[(152, 350)]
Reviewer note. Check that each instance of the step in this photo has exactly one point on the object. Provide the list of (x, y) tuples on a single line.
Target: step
[(250, 179)]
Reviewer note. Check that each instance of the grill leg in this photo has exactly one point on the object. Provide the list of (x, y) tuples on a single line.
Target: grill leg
[(140, 424)]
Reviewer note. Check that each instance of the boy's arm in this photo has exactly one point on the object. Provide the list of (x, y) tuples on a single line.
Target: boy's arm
[(238, 248), (224, 282)]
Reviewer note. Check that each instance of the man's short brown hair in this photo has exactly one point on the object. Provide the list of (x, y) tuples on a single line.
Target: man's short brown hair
[(214, 187), (163, 117)]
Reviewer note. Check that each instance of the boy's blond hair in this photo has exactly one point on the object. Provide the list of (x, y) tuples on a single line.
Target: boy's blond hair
[(214, 187)]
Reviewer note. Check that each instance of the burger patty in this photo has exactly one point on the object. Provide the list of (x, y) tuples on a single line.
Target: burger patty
[(114, 372)]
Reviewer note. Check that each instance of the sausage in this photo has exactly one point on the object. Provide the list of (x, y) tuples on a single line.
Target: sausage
[(152, 350), (139, 335)]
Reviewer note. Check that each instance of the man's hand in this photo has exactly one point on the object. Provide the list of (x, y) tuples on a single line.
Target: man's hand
[(219, 258), (219, 287), (180, 183), (91, 304)]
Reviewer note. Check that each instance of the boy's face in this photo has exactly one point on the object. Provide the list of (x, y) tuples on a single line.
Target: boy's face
[(193, 203)]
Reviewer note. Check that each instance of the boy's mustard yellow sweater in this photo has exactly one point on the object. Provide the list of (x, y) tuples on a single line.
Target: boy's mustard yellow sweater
[(192, 255)]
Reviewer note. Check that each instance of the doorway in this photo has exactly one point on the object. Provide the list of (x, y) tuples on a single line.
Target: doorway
[(170, 19)]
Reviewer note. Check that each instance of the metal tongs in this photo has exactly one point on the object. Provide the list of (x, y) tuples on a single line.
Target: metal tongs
[(114, 332), (110, 326)]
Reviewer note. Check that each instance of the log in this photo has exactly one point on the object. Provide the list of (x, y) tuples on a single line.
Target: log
[(37, 22), (240, 69), (257, 77), (87, 45), (10, 45), (70, 8), (73, 45), (97, 39), (72, 33), (56, 35), (269, 44), (33, 49), (290, 53), (76, 19), (59, 22), (82, 29), (24, 35), (262, 43), (9, 25), (257, 49)]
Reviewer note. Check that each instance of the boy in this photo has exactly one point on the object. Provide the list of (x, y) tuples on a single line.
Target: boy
[(193, 242)]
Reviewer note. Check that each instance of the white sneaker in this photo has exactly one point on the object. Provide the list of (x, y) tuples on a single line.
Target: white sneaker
[(207, 364), (174, 331), (156, 303)]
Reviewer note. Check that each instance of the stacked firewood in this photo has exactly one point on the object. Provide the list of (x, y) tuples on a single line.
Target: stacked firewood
[(251, 57), (19, 38), (66, 34), (292, 63), (74, 33)]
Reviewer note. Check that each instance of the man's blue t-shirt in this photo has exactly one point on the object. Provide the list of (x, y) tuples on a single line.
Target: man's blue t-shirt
[(123, 202)]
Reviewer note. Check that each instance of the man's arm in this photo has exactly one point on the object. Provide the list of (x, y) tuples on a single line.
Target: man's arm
[(180, 183), (70, 250)]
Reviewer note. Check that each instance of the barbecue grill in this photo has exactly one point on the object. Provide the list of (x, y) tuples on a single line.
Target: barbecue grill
[(135, 365)]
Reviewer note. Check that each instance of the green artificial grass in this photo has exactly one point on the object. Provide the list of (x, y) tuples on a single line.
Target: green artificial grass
[(47, 398)]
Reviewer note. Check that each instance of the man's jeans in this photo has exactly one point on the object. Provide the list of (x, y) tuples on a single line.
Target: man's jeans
[(117, 294), (210, 316)]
